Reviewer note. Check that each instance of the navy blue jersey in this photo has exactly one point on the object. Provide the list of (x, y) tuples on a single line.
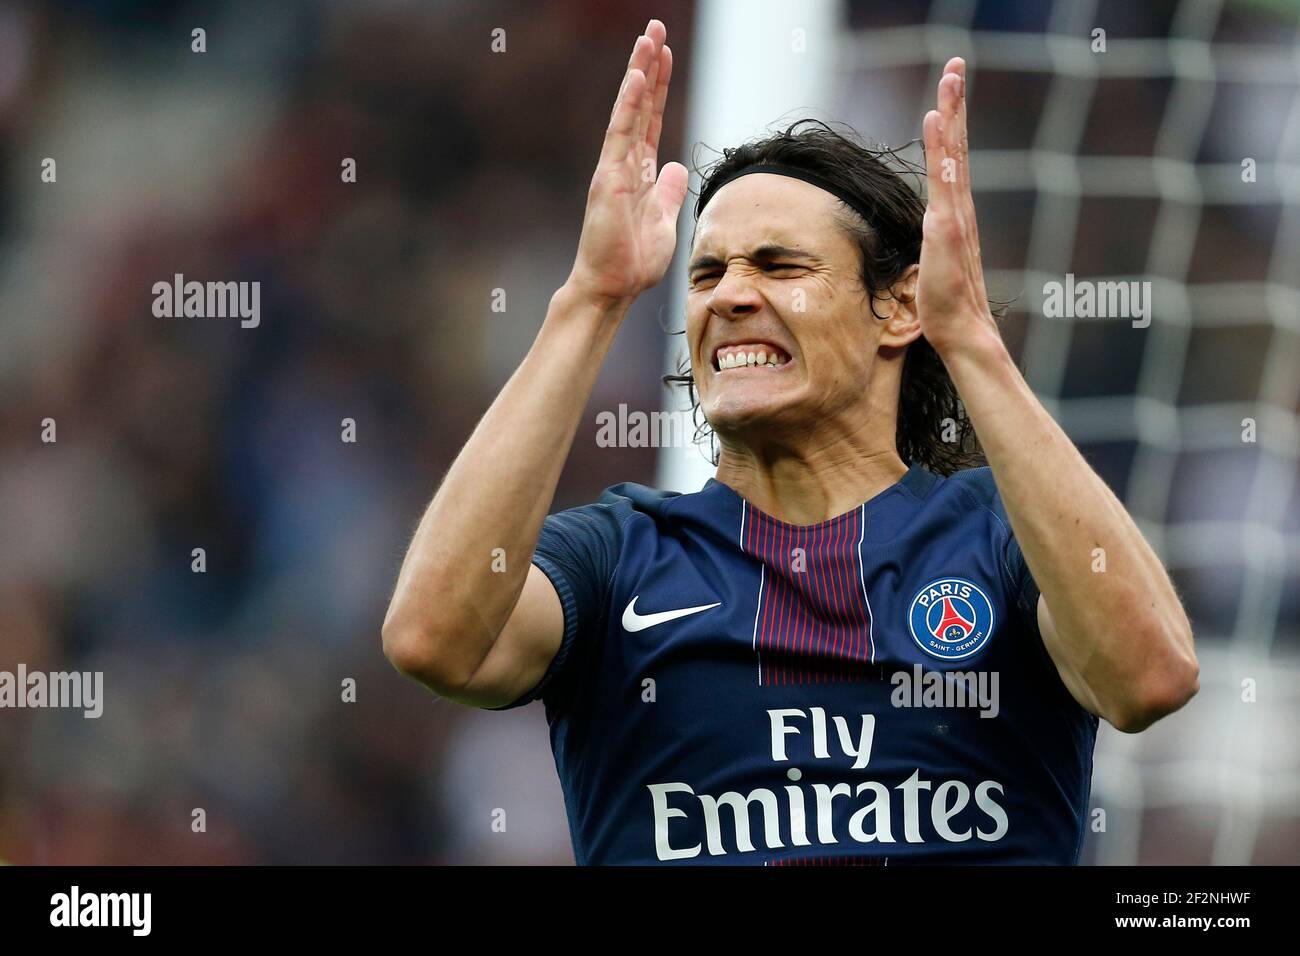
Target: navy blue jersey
[(872, 689)]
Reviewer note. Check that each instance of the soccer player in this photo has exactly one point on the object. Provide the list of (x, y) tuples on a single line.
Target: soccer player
[(847, 647)]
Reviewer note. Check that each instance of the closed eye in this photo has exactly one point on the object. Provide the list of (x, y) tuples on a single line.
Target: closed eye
[(767, 267)]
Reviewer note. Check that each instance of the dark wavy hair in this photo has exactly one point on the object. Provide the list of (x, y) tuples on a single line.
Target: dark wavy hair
[(928, 404)]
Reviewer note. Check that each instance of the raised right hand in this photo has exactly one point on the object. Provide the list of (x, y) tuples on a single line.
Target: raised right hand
[(630, 227)]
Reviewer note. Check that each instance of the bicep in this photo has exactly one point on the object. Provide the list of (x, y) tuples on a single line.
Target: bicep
[(1066, 660), (523, 650)]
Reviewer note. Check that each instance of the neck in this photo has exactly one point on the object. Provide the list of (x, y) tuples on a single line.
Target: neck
[(808, 483)]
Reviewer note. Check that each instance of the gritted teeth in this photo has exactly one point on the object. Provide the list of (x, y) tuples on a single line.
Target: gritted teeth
[(749, 356)]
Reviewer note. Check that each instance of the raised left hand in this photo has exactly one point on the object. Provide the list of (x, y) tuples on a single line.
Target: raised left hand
[(952, 303)]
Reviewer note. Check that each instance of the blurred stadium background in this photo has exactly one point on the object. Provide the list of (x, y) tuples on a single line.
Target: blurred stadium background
[(223, 689)]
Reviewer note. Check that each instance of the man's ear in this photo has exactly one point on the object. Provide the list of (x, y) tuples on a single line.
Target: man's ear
[(903, 326)]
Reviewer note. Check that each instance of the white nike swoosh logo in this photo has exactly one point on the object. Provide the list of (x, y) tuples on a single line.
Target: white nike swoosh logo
[(632, 621)]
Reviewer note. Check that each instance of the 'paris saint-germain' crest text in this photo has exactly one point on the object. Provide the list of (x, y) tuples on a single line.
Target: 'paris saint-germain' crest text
[(951, 619)]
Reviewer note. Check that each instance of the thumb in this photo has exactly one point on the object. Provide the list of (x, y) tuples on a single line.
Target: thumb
[(671, 188)]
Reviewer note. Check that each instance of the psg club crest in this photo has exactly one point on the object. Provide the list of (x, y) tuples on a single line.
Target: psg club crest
[(951, 619)]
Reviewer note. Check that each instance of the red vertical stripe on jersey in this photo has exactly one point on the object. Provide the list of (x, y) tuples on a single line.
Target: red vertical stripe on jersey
[(813, 621)]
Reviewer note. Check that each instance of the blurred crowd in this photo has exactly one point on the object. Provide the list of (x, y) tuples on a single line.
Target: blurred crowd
[(224, 689)]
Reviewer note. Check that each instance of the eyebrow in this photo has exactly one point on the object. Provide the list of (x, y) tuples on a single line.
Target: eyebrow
[(763, 253)]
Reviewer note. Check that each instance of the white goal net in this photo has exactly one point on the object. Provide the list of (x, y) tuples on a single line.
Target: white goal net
[(1154, 143)]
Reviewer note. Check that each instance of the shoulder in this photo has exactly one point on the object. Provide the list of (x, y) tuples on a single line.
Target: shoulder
[(607, 516), (977, 491), (973, 496), (622, 500), (628, 496), (978, 483)]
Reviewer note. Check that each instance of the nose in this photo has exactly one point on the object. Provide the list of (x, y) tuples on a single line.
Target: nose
[(734, 297)]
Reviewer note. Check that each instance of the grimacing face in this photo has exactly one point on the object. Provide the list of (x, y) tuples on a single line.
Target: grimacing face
[(778, 322)]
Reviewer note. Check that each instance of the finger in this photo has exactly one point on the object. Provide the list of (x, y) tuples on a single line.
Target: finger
[(660, 99), (672, 183), (646, 107), (957, 66), (657, 32), (636, 61), (947, 102), (622, 123), (958, 141), (932, 136)]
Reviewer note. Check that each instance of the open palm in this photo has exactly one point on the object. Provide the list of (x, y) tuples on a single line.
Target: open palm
[(950, 293), (630, 227)]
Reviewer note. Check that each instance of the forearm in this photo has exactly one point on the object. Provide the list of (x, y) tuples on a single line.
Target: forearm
[(455, 589), (1116, 615)]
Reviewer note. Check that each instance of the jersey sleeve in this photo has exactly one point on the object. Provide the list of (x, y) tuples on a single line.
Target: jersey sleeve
[(578, 552), (1022, 590)]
